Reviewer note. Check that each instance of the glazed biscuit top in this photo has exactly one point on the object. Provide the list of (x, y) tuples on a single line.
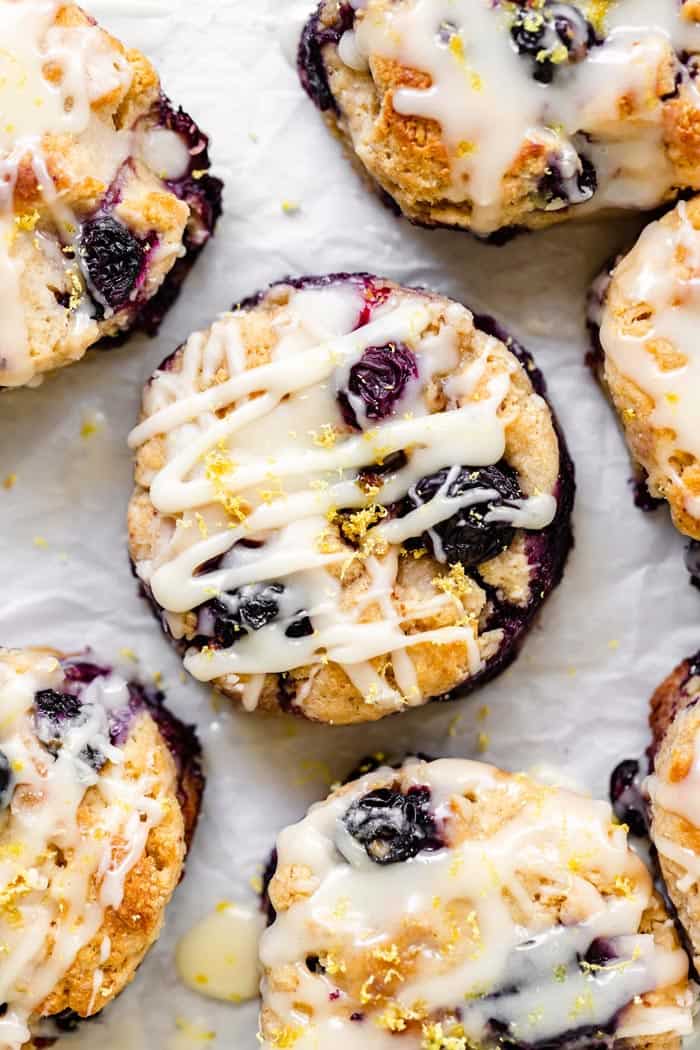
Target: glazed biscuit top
[(649, 332), (588, 83), (318, 437), (65, 132), (449, 904), (75, 816)]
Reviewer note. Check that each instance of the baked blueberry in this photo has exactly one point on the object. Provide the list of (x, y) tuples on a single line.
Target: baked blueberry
[(393, 826), (626, 796), (474, 534), (377, 383), (112, 259), (379, 575), (471, 871)]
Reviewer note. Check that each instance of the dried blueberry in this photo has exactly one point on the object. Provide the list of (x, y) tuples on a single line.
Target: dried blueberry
[(6, 780), (392, 826), (468, 536), (112, 258), (376, 382), (626, 796)]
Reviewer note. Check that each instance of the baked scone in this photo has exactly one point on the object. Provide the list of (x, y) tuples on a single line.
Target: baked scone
[(673, 792), (490, 116), (350, 498), (448, 905), (100, 792), (106, 195), (645, 322)]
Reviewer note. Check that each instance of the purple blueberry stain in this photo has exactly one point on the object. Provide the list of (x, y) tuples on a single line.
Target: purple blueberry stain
[(468, 536), (315, 36), (392, 826), (376, 383), (559, 188)]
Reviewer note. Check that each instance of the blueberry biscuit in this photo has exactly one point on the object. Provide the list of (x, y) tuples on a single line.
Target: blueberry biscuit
[(673, 792), (490, 116), (645, 322), (350, 498), (448, 905), (100, 790), (105, 195)]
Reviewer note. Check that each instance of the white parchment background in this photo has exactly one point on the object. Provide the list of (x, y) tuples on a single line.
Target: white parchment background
[(623, 618)]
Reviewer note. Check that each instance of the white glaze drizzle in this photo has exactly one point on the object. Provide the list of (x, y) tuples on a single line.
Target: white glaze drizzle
[(271, 442), (31, 108), (553, 841), (46, 912), (662, 274), (490, 108)]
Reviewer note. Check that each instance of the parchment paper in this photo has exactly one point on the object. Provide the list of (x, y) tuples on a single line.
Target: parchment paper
[(623, 618)]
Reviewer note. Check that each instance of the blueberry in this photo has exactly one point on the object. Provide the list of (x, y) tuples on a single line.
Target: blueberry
[(113, 259), (300, 628), (626, 796), (377, 381), (392, 826), (250, 608), (6, 781), (468, 537), (259, 606), (552, 36), (601, 952), (54, 713), (57, 707), (561, 190)]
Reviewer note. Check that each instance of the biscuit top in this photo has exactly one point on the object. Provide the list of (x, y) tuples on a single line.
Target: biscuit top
[(62, 83), (449, 905), (75, 817), (297, 454), (649, 331), (587, 81)]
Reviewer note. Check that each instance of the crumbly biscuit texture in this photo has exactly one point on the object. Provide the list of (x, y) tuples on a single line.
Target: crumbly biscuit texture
[(673, 790), (105, 196), (96, 815), (650, 361), (448, 905), (489, 116), (350, 499)]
